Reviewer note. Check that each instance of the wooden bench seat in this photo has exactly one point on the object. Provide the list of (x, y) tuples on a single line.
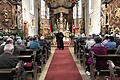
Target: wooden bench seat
[(29, 56), (93, 68), (114, 71), (12, 73), (111, 51)]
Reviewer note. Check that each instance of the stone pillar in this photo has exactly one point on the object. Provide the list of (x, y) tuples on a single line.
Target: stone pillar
[(86, 17), (39, 16), (77, 15), (46, 26), (77, 29)]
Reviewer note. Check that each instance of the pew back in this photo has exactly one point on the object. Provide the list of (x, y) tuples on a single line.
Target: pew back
[(12, 73), (95, 58), (30, 64), (112, 70), (111, 51)]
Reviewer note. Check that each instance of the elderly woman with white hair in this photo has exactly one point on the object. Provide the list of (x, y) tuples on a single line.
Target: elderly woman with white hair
[(7, 60), (20, 46), (10, 41)]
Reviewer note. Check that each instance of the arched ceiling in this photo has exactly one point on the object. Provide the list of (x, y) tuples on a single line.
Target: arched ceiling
[(61, 3)]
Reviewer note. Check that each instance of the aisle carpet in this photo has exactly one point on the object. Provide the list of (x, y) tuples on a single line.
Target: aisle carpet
[(63, 67)]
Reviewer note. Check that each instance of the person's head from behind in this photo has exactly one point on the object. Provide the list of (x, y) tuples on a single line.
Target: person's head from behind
[(93, 36), (9, 41), (19, 41), (42, 37), (34, 38), (111, 38), (106, 37), (89, 37), (9, 48), (58, 30), (97, 39)]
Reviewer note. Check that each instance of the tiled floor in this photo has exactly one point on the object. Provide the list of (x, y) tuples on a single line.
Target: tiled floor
[(80, 68)]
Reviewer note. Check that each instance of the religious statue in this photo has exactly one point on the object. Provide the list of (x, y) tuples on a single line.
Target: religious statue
[(5, 16), (118, 14), (61, 22), (67, 27)]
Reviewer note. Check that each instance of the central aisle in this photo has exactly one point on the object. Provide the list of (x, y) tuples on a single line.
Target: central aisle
[(63, 67)]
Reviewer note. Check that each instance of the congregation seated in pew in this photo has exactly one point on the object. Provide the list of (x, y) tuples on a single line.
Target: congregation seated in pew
[(19, 45), (34, 44), (99, 49), (114, 71), (12, 73), (8, 60), (103, 72), (111, 43), (10, 41), (29, 58)]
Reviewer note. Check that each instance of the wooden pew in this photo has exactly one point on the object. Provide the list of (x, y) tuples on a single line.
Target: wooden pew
[(12, 73), (83, 56), (79, 51), (113, 75), (111, 51), (46, 49), (45, 53), (93, 68), (75, 47), (39, 56), (30, 64), (49, 48)]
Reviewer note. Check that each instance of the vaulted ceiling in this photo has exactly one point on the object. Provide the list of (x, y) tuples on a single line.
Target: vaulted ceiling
[(61, 3)]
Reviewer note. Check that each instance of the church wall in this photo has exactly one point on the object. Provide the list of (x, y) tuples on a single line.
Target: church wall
[(31, 18), (36, 16), (110, 17), (94, 18), (86, 16)]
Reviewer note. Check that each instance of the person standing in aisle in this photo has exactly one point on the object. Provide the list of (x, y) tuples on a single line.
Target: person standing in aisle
[(59, 40)]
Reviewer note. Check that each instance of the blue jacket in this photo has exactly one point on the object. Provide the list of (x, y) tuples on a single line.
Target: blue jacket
[(34, 45), (110, 44)]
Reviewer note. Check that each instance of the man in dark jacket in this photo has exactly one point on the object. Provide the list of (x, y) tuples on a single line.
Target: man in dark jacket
[(8, 60), (10, 41), (59, 40)]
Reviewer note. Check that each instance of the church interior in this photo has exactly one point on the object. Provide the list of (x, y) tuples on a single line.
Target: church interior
[(59, 39)]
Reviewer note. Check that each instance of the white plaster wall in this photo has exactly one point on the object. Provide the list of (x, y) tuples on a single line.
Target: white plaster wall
[(36, 16), (95, 26), (27, 16)]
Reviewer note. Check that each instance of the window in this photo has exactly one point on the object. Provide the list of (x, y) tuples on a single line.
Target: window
[(90, 6), (74, 12), (79, 9), (42, 9), (32, 7), (48, 14)]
